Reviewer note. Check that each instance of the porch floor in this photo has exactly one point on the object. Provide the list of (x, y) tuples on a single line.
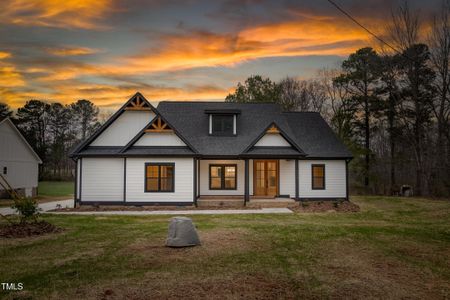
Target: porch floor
[(238, 201)]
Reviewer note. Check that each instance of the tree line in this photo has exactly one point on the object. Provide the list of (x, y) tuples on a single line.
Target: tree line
[(391, 106), (53, 129)]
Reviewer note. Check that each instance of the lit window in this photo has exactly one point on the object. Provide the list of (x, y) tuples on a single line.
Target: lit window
[(318, 177), (222, 177), (159, 177)]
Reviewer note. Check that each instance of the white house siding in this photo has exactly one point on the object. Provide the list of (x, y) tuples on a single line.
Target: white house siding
[(102, 179), (124, 128), (16, 156), (287, 177), (204, 178), (184, 180), (159, 139), (335, 179), (272, 140)]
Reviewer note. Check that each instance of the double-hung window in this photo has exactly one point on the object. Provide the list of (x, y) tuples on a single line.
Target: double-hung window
[(222, 177), (318, 177), (159, 177)]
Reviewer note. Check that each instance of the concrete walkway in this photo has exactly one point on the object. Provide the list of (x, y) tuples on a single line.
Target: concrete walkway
[(43, 206), (180, 212)]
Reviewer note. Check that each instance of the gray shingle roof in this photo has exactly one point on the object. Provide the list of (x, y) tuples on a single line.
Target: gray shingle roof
[(136, 151), (314, 135), (308, 130)]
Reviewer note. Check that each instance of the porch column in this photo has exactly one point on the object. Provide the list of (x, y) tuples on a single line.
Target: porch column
[(296, 179), (246, 195), (195, 182)]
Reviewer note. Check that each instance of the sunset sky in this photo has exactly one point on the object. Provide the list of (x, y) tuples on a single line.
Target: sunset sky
[(106, 50)]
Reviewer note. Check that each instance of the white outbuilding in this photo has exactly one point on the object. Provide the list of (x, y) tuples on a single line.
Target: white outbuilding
[(19, 164)]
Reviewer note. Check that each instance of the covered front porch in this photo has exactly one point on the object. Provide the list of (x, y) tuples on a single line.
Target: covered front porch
[(263, 182)]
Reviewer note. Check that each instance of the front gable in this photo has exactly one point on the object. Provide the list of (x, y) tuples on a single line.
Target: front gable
[(159, 133), (124, 128), (272, 138), (120, 129)]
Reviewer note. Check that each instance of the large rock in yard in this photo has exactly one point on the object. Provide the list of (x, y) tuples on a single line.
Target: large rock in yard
[(182, 233)]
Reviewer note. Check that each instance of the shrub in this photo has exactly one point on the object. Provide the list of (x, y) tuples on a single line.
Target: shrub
[(28, 209)]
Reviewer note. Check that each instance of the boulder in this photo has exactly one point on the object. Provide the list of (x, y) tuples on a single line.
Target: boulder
[(182, 233)]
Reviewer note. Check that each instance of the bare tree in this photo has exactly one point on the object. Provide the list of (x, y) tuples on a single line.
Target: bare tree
[(439, 42), (302, 95), (403, 30), (291, 94)]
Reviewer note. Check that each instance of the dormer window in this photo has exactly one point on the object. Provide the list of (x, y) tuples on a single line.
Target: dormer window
[(223, 125), (222, 122)]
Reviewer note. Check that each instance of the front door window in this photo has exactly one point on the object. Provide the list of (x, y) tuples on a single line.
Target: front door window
[(265, 177)]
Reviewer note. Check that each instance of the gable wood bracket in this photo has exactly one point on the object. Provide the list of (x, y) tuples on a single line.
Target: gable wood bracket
[(273, 129), (159, 126), (137, 103)]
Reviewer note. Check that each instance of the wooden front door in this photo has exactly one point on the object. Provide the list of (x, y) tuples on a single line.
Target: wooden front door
[(265, 178)]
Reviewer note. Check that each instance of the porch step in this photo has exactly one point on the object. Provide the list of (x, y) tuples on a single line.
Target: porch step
[(239, 202), (271, 203), (222, 202)]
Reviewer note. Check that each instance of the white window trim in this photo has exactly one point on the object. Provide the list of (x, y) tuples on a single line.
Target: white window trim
[(210, 124)]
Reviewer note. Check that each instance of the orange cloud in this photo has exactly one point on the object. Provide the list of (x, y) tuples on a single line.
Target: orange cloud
[(71, 51), (83, 14), (111, 96), (10, 77), (4, 55), (321, 36)]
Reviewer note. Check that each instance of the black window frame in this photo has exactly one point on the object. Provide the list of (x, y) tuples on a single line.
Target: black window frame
[(222, 178), (159, 177), (223, 133), (5, 170), (312, 176)]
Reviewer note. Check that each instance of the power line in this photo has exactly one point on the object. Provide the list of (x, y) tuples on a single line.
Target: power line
[(365, 28)]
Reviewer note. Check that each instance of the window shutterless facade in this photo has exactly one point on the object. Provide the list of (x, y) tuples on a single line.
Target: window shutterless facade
[(318, 177), (222, 177), (159, 177)]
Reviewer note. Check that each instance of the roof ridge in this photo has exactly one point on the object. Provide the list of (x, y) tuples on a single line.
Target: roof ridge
[(222, 102), (300, 112)]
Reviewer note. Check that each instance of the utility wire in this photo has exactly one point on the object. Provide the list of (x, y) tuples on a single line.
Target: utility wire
[(366, 29)]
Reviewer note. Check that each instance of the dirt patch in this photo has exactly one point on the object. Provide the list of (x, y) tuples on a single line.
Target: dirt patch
[(28, 229), (324, 206), (212, 243), (221, 286), (360, 272)]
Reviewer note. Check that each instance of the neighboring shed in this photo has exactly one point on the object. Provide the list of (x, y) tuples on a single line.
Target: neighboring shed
[(19, 164)]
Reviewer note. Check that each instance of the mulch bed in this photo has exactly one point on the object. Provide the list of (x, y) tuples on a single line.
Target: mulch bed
[(28, 229), (324, 206), (148, 208)]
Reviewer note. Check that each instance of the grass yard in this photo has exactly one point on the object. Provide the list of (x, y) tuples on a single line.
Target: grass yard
[(55, 188), (394, 248), (48, 191)]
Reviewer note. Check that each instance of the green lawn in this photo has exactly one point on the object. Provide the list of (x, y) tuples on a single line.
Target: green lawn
[(48, 191), (55, 188), (394, 248)]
